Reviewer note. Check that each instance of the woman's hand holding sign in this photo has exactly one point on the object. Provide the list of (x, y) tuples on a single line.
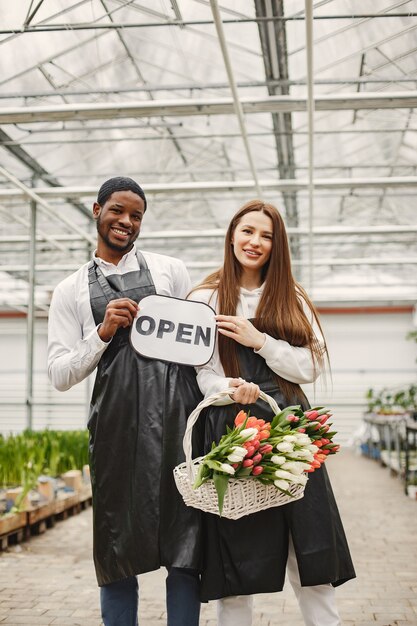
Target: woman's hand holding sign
[(119, 314), (241, 330)]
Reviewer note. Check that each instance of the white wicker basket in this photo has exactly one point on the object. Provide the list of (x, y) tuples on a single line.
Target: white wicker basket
[(244, 495)]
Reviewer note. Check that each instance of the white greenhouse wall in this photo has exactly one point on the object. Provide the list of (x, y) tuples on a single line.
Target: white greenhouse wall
[(367, 349), (51, 409)]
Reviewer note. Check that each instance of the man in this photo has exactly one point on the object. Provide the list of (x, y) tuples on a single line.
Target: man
[(138, 412)]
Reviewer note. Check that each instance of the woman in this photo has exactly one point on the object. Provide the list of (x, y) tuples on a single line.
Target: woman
[(270, 340)]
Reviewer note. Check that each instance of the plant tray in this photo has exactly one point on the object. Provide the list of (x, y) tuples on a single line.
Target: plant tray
[(11, 522)]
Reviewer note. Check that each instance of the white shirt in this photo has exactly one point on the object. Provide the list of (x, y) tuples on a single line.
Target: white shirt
[(74, 346), (290, 362)]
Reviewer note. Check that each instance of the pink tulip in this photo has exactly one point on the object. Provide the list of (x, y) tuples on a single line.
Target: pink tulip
[(250, 451), (247, 463), (312, 415), (292, 418), (257, 458)]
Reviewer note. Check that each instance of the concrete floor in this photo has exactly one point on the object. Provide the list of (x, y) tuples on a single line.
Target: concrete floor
[(50, 579)]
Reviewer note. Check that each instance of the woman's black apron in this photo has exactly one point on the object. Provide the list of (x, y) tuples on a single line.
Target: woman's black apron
[(138, 414), (249, 555)]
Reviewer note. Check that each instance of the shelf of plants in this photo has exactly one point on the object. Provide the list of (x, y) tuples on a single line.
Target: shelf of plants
[(44, 477)]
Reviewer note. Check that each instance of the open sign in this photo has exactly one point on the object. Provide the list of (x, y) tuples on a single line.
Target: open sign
[(170, 329)]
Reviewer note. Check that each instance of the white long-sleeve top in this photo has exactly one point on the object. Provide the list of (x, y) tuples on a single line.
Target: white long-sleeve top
[(295, 364), (74, 346)]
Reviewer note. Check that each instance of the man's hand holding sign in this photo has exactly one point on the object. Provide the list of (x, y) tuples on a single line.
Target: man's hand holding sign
[(120, 313), (170, 329)]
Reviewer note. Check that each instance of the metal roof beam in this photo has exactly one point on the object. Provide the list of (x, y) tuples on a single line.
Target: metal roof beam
[(199, 86), (44, 206), (28, 141), (182, 23), (232, 83), (24, 157), (218, 106), (223, 185)]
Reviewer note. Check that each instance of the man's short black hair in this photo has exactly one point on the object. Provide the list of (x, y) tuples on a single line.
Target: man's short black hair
[(119, 183)]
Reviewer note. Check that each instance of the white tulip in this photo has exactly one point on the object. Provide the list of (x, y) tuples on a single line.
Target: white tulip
[(225, 467), (300, 480), (295, 467), (284, 446), (249, 433), (303, 439), (281, 484), (234, 458), (284, 474), (278, 460), (303, 454), (237, 454)]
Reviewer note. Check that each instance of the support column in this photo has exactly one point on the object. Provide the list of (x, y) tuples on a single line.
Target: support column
[(31, 314)]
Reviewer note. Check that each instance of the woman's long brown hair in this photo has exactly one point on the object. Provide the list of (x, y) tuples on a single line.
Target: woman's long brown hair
[(280, 312)]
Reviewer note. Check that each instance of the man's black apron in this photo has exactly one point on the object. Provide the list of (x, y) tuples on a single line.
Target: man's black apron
[(138, 414), (249, 555)]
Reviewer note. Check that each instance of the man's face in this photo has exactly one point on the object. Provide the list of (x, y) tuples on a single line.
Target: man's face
[(119, 221)]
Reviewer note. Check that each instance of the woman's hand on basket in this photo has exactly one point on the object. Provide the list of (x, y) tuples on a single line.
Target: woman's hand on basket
[(241, 330), (245, 393)]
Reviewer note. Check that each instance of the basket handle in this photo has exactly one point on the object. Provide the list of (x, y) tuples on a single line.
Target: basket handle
[(202, 405)]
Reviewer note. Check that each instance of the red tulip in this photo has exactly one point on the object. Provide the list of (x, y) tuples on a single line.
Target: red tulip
[(258, 469), (257, 458), (247, 463)]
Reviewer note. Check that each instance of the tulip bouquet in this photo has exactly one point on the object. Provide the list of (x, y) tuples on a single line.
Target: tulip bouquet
[(282, 452)]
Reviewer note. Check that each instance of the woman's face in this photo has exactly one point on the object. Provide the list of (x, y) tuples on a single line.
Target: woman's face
[(252, 240)]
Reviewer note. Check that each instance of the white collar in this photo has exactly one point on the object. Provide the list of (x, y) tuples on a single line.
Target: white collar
[(126, 258), (252, 292)]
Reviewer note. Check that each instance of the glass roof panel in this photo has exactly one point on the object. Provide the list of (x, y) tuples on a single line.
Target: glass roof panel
[(77, 55)]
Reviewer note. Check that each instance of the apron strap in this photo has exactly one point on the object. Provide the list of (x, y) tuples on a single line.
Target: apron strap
[(95, 275)]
